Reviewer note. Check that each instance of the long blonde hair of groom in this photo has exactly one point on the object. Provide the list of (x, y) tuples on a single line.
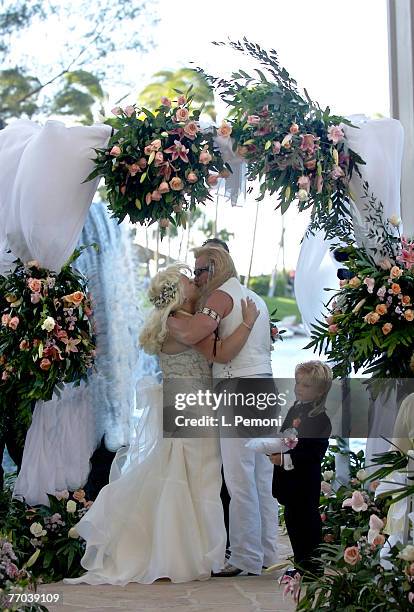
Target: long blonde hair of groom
[(221, 267), (155, 330)]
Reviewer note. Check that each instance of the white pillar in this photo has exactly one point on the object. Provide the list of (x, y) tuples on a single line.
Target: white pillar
[(401, 63)]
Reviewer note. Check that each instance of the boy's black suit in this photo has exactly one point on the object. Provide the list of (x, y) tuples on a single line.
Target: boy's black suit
[(299, 489)]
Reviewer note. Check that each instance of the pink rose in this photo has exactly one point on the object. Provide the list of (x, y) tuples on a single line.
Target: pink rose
[(294, 128), (24, 345), (5, 320), (117, 110), (333, 329), (165, 101), (191, 129), (205, 157), (304, 182), (276, 146), (176, 183), (181, 100), (163, 188), (310, 164), (352, 555), (14, 322), (212, 180), (158, 159), (356, 502), (253, 119), (370, 283), (182, 115), (5, 376), (192, 177), (129, 111), (79, 495), (142, 163), (156, 195), (34, 285), (375, 522), (45, 364), (115, 151), (335, 134), (148, 150)]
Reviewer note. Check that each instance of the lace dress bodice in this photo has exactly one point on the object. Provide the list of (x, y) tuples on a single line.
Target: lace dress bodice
[(190, 364)]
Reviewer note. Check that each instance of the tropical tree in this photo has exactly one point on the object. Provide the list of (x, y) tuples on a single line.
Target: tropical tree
[(90, 51), (169, 82)]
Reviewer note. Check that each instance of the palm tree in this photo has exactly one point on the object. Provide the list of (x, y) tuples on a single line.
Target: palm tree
[(168, 82)]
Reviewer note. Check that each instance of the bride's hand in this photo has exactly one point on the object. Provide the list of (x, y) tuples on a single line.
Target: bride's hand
[(249, 311)]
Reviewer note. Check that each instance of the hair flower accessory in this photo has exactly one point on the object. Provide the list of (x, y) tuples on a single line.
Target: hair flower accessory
[(166, 296)]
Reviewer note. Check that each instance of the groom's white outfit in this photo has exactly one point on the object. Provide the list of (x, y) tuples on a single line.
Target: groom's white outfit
[(253, 515)]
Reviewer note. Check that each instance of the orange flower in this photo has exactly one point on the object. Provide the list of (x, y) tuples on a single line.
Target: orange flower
[(395, 272), (371, 317), (409, 315), (381, 309), (386, 328), (395, 288), (354, 282), (224, 130), (176, 183), (406, 300)]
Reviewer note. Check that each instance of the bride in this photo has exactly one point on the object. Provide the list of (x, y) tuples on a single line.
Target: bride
[(161, 515)]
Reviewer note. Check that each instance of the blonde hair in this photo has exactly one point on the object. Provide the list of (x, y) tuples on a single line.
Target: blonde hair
[(321, 375), (221, 268), (166, 282)]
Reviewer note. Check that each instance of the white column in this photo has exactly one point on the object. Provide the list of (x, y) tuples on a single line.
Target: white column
[(401, 62)]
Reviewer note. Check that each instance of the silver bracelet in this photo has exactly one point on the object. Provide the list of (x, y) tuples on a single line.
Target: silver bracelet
[(210, 313)]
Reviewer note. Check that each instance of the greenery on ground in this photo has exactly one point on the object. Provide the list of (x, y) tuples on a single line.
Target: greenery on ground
[(286, 307)]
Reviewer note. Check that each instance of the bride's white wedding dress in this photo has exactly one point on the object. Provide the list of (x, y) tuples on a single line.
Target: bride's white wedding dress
[(161, 515)]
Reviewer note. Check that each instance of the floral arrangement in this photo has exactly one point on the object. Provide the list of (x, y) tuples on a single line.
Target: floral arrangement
[(46, 335), (14, 581), (47, 534), (291, 145), (370, 319), (159, 165)]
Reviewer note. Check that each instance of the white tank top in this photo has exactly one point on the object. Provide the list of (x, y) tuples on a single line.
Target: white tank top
[(254, 357)]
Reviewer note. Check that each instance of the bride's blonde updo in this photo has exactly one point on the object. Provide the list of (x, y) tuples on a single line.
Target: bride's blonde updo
[(166, 294)]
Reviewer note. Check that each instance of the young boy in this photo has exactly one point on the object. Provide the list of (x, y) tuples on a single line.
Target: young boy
[(298, 489)]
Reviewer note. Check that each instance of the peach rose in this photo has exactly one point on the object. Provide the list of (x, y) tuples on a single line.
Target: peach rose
[(395, 288), (379, 540), (45, 364), (192, 177), (225, 130), (372, 318), (294, 128), (182, 115), (381, 309), (408, 315), (76, 298), (163, 188), (191, 129), (395, 272), (14, 322), (354, 282), (176, 183), (352, 555), (205, 157), (115, 151), (24, 345), (79, 495), (386, 328), (406, 300), (212, 180), (156, 195), (34, 285)]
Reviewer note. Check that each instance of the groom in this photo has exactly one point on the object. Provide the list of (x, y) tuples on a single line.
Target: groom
[(248, 475)]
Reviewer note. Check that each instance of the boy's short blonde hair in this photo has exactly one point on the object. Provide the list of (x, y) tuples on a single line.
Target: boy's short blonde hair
[(321, 374)]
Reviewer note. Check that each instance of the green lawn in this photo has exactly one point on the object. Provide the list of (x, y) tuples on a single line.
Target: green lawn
[(285, 307)]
